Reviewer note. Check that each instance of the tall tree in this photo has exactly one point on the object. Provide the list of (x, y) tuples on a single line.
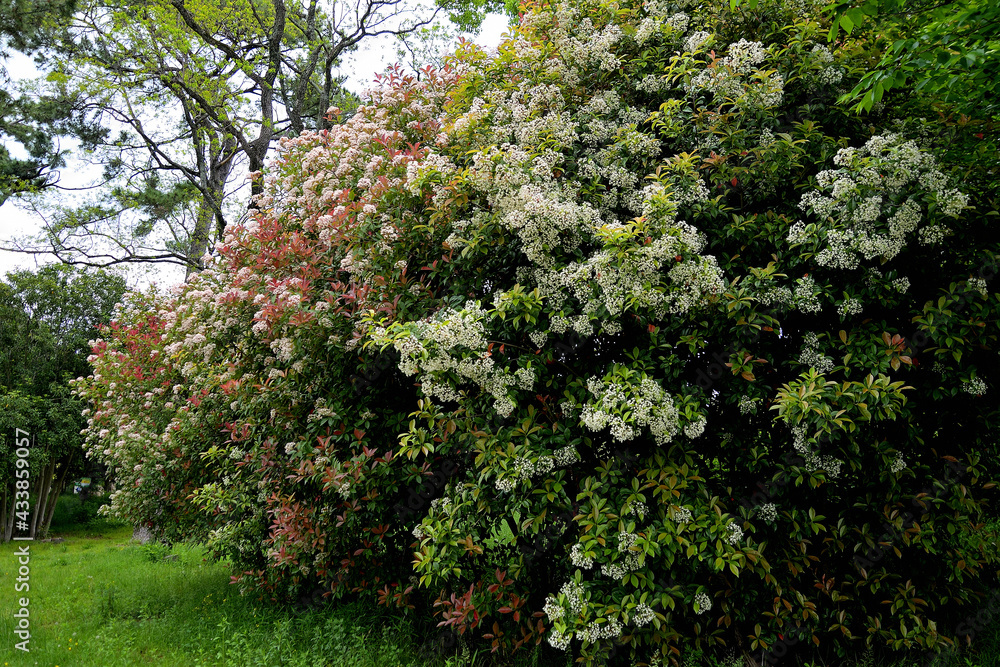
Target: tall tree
[(47, 319), (30, 121)]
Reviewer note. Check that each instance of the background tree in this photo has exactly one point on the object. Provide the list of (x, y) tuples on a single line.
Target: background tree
[(47, 321), (31, 120)]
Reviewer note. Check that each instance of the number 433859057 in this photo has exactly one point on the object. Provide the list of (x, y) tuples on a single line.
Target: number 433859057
[(22, 483)]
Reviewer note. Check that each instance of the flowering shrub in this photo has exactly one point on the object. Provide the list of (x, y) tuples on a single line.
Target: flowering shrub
[(622, 336)]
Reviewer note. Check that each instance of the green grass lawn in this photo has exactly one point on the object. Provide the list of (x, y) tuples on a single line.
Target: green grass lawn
[(100, 600)]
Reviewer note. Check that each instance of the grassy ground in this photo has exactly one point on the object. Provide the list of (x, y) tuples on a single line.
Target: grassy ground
[(99, 600)]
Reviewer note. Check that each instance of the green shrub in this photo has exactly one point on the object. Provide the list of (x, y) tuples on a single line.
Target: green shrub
[(627, 338)]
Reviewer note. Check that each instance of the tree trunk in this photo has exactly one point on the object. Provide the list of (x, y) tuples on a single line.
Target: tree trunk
[(54, 494), (42, 496)]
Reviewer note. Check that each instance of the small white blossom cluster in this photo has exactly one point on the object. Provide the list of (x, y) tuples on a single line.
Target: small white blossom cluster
[(704, 603), (525, 468), (882, 180), (748, 405), (626, 540), (646, 403), (579, 558), (739, 79), (636, 508), (574, 594), (898, 464), (642, 615), (768, 512), (811, 355), (813, 461), (806, 299), (553, 609), (975, 386), (735, 534), (558, 640), (565, 456), (595, 631), (978, 284), (452, 342), (682, 515), (505, 484), (849, 307), (695, 428)]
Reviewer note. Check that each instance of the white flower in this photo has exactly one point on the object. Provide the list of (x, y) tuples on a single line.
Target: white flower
[(642, 615), (768, 512), (579, 559), (975, 386), (704, 603)]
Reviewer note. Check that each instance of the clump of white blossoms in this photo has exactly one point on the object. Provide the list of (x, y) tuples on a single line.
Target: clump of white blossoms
[(451, 344), (872, 204), (695, 428), (642, 615), (975, 386), (735, 534), (813, 461), (978, 284), (703, 603), (811, 355), (579, 558), (740, 78), (595, 631), (628, 402), (899, 464), (768, 512), (682, 515)]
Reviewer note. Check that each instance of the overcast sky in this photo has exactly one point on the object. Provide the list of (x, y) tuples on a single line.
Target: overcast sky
[(14, 220)]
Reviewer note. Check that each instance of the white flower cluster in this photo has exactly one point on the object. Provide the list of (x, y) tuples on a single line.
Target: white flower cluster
[(849, 307), (636, 508), (682, 515), (626, 540), (553, 609), (595, 631), (813, 461), (899, 464), (975, 386), (806, 298), (978, 284), (451, 343), (735, 534), (505, 484), (704, 603), (878, 181), (574, 594), (739, 79), (748, 405), (579, 558), (768, 512), (695, 428), (812, 357), (642, 615), (645, 403), (565, 456), (558, 640)]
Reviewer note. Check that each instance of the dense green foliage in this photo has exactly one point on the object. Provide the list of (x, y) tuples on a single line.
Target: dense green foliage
[(48, 319), (627, 337)]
